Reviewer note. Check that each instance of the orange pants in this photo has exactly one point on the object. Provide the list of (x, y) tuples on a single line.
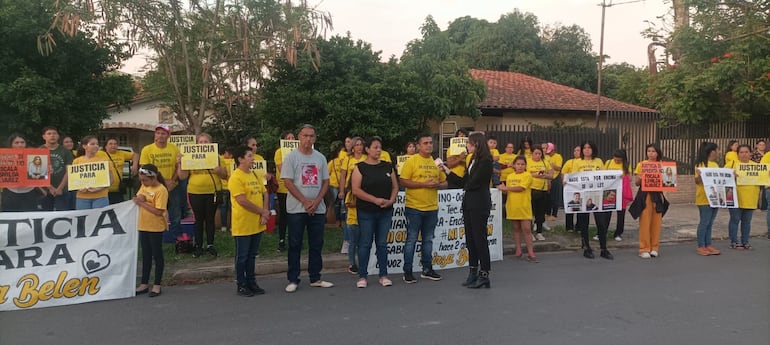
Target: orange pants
[(649, 227)]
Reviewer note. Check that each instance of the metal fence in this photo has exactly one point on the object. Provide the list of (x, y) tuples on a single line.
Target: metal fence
[(565, 139)]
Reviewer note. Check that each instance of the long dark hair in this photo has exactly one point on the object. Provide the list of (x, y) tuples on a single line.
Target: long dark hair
[(621, 153), (82, 150), (730, 145), (523, 148), (704, 151), (154, 171), (480, 141), (657, 150), (590, 143), (13, 137)]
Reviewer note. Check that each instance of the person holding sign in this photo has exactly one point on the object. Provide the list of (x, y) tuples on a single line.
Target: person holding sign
[(204, 190), (306, 208), (282, 192), (589, 162), (375, 187), (152, 199), (89, 198), (519, 205), (707, 155), (251, 211), (456, 161), (766, 160), (20, 199), (748, 198), (422, 178), (648, 206), (163, 155)]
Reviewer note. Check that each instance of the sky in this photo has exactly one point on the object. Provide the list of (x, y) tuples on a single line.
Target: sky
[(389, 24)]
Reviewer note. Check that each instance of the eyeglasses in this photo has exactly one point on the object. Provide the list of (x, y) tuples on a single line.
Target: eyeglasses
[(146, 172)]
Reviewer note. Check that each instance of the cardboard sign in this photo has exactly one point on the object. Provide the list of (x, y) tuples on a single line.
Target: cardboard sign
[(751, 174), (199, 156), (659, 176), (288, 146), (719, 184), (25, 168), (181, 140), (260, 168), (593, 191), (400, 162), (88, 175), (457, 146)]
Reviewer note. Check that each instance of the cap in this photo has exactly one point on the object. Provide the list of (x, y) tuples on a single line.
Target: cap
[(163, 127)]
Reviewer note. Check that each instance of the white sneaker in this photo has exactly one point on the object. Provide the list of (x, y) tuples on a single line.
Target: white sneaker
[(546, 227), (618, 238), (540, 237), (596, 238), (321, 283), (644, 255), (291, 287), (654, 254), (533, 238), (345, 247)]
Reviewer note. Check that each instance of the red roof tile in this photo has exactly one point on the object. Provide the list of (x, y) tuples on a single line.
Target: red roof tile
[(510, 90)]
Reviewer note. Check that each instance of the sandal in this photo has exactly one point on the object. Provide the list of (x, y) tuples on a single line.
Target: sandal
[(518, 255)]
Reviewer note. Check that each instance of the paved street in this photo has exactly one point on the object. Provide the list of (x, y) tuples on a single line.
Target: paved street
[(679, 298)]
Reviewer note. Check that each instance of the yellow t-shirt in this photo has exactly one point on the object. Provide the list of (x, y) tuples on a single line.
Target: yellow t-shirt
[(385, 156), (505, 160), (245, 222), (205, 181), (421, 169), (765, 159), (638, 169), (458, 169), (334, 180), (229, 164), (495, 154), (610, 164), (157, 197), (278, 158), (118, 159), (567, 167), (557, 159), (748, 195), (97, 158), (518, 205), (581, 165), (731, 157), (534, 167), (350, 162), (700, 193), (163, 158)]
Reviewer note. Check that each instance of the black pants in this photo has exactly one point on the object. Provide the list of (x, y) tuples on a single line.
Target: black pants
[(204, 208), (475, 220), (540, 204), (282, 216), (556, 194), (152, 248), (21, 202), (569, 220), (115, 197), (602, 220), (621, 223)]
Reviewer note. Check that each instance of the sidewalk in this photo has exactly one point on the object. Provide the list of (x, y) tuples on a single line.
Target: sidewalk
[(679, 225)]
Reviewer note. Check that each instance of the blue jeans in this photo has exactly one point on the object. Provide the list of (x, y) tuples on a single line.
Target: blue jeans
[(707, 215), (57, 203), (767, 198), (355, 236), (297, 223), (175, 211), (373, 226), (224, 208), (246, 248), (421, 223), (87, 204), (743, 216)]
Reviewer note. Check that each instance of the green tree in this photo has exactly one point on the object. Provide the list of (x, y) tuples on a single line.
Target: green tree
[(626, 83), (722, 63), (70, 88), (568, 57)]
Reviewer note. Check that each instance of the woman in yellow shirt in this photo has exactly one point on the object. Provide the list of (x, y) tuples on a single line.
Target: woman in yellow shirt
[(506, 162), (151, 198), (707, 155), (88, 198), (569, 218), (117, 159), (351, 234), (541, 172), (202, 188), (748, 198), (518, 205), (732, 153), (283, 216), (589, 162)]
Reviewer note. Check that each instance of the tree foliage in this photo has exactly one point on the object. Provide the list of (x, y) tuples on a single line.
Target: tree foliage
[(626, 83), (722, 70), (70, 88)]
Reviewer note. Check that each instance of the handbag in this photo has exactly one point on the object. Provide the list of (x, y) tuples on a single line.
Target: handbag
[(123, 184), (219, 195)]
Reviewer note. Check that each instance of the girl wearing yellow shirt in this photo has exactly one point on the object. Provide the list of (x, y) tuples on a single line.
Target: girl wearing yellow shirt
[(569, 218), (202, 188), (732, 153), (151, 198), (518, 205), (506, 162), (707, 155), (541, 172), (88, 198), (748, 198)]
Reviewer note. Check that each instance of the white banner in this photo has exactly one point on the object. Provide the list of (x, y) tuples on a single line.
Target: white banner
[(57, 258), (593, 191), (719, 184), (449, 242)]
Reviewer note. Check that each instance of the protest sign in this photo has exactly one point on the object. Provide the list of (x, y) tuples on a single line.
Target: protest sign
[(449, 249), (457, 146), (719, 185), (593, 191), (750, 174), (260, 168), (287, 146), (181, 140), (24, 168), (59, 258), (400, 162), (199, 156), (88, 175), (658, 176)]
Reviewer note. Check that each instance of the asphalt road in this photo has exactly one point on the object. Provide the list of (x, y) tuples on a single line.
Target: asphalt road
[(679, 298)]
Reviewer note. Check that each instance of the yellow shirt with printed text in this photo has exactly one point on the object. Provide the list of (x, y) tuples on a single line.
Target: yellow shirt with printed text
[(421, 169), (518, 205), (581, 165), (155, 196), (245, 222), (535, 167), (163, 158)]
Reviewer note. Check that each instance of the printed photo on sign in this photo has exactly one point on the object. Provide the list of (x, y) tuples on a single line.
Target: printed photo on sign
[(24, 168), (595, 191), (719, 186), (576, 204), (593, 200), (37, 168), (609, 199), (309, 175)]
